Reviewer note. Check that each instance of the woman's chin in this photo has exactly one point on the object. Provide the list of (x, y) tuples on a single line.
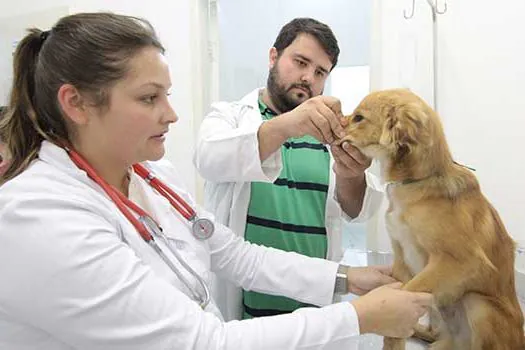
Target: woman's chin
[(152, 154)]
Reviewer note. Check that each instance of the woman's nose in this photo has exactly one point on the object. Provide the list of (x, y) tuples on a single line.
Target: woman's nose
[(170, 116)]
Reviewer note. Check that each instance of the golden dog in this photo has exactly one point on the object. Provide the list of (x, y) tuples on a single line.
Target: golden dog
[(446, 237)]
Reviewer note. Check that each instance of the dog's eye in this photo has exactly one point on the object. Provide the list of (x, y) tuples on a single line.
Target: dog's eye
[(357, 118)]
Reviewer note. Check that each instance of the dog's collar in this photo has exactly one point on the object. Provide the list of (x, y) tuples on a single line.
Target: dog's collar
[(406, 181), (411, 181)]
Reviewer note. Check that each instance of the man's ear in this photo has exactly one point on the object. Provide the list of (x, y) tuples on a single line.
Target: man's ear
[(273, 56), (404, 128)]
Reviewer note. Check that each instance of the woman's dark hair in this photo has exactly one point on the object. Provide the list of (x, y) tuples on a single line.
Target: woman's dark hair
[(90, 51), (310, 26), (3, 112)]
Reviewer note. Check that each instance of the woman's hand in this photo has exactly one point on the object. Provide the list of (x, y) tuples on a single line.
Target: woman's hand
[(362, 280), (390, 311)]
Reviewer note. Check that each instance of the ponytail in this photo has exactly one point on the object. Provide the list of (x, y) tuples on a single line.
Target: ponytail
[(19, 127), (90, 51)]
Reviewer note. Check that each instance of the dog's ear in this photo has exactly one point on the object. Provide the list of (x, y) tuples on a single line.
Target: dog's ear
[(405, 127)]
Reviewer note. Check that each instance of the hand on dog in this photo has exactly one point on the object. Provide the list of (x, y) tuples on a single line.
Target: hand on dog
[(362, 280), (319, 117), (349, 161), (390, 311)]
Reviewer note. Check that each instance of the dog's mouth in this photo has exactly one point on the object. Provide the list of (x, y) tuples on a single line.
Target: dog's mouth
[(364, 148)]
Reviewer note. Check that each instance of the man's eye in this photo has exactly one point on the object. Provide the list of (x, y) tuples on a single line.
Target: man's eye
[(357, 118), (301, 63)]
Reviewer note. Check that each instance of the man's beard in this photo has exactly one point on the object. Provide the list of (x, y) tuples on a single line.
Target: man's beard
[(279, 94)]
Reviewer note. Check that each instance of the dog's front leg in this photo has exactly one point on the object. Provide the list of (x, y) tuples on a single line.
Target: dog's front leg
[(436, 278), (400, 270)]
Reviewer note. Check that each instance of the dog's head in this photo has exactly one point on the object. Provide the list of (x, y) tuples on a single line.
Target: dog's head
[(392, 124)]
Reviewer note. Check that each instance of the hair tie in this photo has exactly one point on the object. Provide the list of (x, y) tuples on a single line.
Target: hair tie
[(44, 35)]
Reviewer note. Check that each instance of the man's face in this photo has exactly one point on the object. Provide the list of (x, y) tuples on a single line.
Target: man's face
[(298, 74)]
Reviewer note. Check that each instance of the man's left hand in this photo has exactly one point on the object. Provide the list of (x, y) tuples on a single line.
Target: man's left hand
[(361, 280), (350, 163)]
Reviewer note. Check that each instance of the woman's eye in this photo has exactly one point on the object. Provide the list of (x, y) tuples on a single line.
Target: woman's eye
[(357, 118), (150, 99)]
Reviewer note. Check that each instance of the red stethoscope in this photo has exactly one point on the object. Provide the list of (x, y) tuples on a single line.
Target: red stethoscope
[(148, 228)]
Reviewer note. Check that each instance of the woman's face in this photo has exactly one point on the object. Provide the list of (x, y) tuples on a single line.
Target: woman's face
[(133, 127), (3, 161)]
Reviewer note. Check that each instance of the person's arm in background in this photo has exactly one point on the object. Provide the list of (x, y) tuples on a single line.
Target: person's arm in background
[(314, 117), (351, 183), (228, 153)]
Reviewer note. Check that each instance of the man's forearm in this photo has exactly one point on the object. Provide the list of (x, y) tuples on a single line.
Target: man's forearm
[(351, 194), (271, 136)]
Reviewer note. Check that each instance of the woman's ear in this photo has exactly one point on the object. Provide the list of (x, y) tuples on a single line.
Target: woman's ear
[(72, 104)]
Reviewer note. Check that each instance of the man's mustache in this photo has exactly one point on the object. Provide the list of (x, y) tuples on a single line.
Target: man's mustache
[(302, 86)]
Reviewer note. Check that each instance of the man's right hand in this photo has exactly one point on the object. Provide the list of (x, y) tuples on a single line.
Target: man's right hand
[(319, 117), (390, 311)]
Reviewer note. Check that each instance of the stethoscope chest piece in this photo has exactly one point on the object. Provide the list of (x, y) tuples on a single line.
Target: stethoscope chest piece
[(202, 228)]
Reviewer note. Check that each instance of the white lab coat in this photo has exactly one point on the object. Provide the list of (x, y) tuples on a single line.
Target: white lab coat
[(75, 274), (227, 157)]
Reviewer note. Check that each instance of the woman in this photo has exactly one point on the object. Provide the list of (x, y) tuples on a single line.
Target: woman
[(3, 156), (78, 264)]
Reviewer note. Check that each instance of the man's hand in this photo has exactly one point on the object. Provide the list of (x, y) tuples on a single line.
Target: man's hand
[(349, 168), (319, 117), (361, 280), (349, 162)]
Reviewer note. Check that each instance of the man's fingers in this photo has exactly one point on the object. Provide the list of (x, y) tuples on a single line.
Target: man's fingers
[(353, 152), (334, 104), (323, 126), (316, 133), (343, 158), (333, 119)]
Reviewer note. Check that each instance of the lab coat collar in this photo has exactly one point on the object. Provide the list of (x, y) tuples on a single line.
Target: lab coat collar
[(58, 157), (252, 99)]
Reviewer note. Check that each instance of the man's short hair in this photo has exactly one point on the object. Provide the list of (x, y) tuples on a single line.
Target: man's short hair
[(310, 26)]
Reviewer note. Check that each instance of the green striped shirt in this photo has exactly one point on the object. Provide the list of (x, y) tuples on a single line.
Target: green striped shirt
[(290, 213)]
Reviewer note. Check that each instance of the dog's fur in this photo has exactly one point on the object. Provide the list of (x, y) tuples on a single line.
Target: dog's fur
[(446, 237)]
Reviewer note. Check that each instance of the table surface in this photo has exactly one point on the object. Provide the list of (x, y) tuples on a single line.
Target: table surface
[(374, 342)]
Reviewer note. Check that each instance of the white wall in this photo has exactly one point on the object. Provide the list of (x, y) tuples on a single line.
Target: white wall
[(178, 23), (480, 87)]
